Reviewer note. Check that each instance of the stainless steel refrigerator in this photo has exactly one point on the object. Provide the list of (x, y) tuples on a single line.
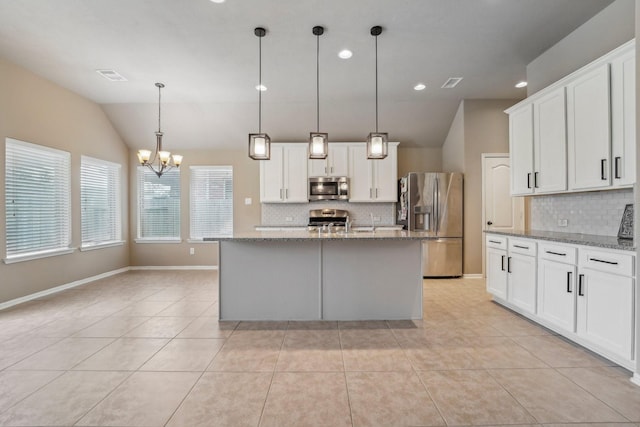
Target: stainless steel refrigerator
[(432, 202)]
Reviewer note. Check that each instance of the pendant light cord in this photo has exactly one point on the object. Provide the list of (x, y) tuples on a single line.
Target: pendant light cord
[(159, 111), (376, 84), (318, 83), (260, 85)]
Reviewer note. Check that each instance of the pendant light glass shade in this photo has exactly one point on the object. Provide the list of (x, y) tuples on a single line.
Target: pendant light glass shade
[(318, 141), (162, 160), (259, 143), (377, 142)]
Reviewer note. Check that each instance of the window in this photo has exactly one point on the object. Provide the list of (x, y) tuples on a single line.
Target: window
[(100, 202), (158, 205), (211, 201), (37, 200)]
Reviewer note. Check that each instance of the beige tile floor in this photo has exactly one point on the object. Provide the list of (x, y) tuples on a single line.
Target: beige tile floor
[(146, 349)]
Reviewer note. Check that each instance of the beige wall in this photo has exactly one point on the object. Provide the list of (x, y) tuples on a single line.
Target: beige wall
[(412, 159), (480, 126), (35, 110), (453, 147), (612, 27), (246, 184)]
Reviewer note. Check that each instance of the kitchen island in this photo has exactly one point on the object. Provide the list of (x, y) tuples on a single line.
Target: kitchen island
[(301, 275)]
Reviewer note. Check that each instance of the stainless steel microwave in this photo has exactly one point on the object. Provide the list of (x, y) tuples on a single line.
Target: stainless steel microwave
[(328, 188)]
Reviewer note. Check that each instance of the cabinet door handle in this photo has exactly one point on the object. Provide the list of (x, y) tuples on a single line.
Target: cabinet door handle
[(529, 180), (331, 169), (580, 282), (569, 290), (371, 193), (603, 163), (508, 264), (281, 196), (521, 247), (603, 261), (556, 253), (376, 193), (325, 170), (535, 180), (502, 263), (616, 164)]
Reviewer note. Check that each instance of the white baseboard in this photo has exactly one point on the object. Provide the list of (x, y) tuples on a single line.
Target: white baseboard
[(173, 267), (30, 297), (635, 378), (60, 288), (473, 276)]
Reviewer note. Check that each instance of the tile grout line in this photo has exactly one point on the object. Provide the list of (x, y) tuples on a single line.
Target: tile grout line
[(344, 371), (273, 374)]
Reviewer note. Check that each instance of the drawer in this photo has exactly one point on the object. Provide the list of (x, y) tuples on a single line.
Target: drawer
[(522, 246), (559, 253), (498, 242), (606, 261)]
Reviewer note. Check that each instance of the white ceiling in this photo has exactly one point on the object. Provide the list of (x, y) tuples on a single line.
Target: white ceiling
[(207, 55)]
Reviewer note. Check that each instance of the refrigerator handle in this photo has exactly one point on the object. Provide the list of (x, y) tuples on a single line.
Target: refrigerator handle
[(437, 206)]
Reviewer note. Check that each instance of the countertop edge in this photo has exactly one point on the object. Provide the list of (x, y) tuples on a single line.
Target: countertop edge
[(605, 242)]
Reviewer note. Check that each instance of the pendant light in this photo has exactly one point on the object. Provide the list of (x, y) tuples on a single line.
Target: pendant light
[(377, 141), (259, 143), (318, 141), (162, 160)]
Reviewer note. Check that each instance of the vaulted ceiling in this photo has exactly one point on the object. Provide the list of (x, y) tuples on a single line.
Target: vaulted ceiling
[(207, 56)]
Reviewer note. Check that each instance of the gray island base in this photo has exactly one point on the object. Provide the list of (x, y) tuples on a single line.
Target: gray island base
[(309, 276)]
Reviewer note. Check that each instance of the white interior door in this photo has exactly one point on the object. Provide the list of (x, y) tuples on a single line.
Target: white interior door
[(500, 211)]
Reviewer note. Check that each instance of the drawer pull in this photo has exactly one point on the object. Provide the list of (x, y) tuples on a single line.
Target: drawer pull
[(569, 290), (502, 263), (494, 241), (521, 247), (555, 253), (580, 280), (603, 261)]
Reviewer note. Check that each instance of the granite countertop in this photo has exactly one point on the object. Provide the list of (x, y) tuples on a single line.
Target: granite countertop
[(609, 242), (314, 235)]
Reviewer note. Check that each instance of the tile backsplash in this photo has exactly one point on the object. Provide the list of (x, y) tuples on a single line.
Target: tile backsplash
[(298, 213), (597, 212)]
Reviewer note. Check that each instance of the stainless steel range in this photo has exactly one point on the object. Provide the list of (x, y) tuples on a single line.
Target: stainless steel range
[(328, 219)]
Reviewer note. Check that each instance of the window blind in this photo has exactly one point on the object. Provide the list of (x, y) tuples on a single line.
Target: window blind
[(158, 205), (100, 202), (211, 201), (37, 199)]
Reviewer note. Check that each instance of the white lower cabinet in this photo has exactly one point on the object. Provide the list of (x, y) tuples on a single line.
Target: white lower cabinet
[(511, 271), (584, 293), (605, 302), (556, 285)]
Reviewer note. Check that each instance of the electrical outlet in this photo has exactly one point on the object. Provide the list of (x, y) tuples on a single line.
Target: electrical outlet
[(288, 218), (247, 200), (563, 222), (376, 218), (192, 251)]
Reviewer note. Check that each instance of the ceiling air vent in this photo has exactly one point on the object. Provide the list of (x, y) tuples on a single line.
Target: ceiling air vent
[(111, 75), (451, 82)]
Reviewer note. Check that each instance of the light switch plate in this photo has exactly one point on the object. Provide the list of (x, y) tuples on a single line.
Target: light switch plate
[(563, 222), (247, 200)]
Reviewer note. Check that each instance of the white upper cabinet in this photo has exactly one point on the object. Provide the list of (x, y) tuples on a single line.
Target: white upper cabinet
[(373, 180), (283, 178), (521, 149), (623, 112), (336, 163), (579, 133), (589, 130), (550, 143)]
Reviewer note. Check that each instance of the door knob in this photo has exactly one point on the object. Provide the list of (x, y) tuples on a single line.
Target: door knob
[(489, 223)]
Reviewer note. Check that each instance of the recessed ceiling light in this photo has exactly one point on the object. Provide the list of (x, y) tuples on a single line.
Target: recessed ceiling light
[(420, 86), (261, 88), (345, 54), (112, 75), (521, 84), (217, 1)]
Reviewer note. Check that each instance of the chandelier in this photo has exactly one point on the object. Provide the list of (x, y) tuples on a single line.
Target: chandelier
[(162, 160)]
